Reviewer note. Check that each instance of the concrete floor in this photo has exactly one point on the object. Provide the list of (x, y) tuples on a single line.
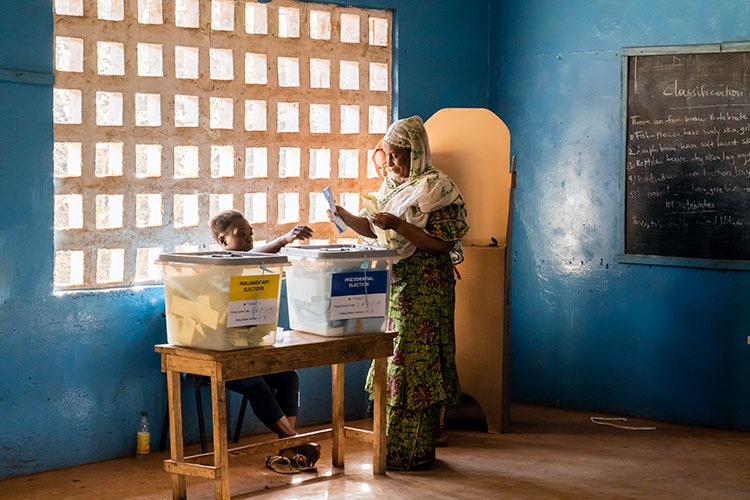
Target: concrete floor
[(549, 454)]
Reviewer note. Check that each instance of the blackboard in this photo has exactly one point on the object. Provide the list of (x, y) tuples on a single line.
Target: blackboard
[(687, 155)]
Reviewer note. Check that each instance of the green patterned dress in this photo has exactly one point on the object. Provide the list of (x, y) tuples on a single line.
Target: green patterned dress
[(421, 374)]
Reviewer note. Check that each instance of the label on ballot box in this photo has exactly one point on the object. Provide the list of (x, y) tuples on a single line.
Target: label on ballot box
[(253, 300), (358, 294)]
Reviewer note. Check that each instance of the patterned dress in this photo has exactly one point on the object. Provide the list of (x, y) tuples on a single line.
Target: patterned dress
[(421, 374)]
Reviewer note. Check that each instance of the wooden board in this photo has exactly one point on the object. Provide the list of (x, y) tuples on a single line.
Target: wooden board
[(298, 350), (472, 146), (480, 301)]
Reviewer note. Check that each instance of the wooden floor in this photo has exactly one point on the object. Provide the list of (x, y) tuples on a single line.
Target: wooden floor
[(549, 454)]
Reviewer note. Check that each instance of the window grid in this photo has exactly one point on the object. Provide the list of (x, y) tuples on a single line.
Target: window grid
[(138, 104)]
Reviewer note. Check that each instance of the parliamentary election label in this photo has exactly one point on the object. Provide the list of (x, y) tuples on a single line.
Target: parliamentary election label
[(253, 300), (359, 294)]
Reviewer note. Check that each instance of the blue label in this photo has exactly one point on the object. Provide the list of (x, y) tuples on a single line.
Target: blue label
[(359, 283)]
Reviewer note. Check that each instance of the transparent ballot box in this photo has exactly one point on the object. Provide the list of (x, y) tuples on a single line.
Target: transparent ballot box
[(336, 290), (222, 300)]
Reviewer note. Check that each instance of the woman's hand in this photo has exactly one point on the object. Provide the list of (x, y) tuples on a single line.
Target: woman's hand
[(345, 215), (298, 233), (385, 220), (360, 224)]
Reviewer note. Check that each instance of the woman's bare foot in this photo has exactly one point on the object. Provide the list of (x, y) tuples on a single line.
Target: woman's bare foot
[(310, 450)]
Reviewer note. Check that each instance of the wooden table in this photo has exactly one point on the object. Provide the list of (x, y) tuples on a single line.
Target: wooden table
[(298, 350)]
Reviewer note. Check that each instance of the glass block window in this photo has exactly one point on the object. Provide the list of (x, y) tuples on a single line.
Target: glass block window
[(318, 207), (320, 25), (186, 62), (255, 69), (69, 54), (255, 207), (320, 73), (187, 13), (350, 201), (148, 160), (320, 163), (168, 111)]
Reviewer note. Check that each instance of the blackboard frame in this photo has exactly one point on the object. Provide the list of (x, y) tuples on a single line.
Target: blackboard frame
[(625, 258)]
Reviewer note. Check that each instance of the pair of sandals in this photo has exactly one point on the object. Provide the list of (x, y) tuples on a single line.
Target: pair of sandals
[(285, 465)]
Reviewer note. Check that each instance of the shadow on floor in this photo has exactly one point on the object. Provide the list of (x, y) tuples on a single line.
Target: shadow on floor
[(465, 416)]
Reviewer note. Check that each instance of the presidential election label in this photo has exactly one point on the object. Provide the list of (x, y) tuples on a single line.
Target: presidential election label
[(253, 300), (358, 294)]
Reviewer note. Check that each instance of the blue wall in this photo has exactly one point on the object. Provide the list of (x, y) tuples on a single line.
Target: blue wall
[(588, 332), (76, 370)]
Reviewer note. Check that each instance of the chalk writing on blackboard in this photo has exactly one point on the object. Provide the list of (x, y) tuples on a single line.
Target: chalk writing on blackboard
[(687, 158)]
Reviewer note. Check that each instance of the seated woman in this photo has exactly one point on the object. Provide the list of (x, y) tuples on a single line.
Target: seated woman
[(426, 215), (273, 398)]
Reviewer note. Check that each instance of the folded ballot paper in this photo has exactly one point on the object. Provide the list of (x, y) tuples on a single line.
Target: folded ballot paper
[(338, 221), (370, 203)]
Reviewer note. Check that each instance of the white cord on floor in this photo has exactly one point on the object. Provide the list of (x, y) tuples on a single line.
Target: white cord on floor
[(607, 421)]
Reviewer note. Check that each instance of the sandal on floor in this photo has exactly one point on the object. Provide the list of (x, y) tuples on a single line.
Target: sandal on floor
[(281, 465), (303, 463)]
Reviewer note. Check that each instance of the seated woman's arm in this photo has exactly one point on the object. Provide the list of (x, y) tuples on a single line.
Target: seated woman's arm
[(416, 235), (298, 233)]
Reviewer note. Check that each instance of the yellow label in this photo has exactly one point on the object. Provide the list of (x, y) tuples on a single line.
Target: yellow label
[(144, 443), (253, 288)]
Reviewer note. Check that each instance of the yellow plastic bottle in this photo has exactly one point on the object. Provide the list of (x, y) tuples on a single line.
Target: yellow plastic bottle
[(144, 436)]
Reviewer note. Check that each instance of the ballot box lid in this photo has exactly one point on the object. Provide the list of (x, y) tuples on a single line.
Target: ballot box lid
[(338, 252), (222, 258)]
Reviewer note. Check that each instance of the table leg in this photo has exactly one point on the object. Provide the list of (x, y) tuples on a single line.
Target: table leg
[(221, 455), (337, 398), (176, 446), (378, 417)]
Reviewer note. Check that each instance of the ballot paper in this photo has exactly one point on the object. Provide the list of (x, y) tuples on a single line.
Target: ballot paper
[(371, 207), (338, 221)]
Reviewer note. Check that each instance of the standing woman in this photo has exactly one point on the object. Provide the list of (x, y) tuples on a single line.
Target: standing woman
[(426, 215)]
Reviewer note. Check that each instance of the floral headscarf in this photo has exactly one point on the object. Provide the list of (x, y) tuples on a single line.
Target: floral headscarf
[(426, 190)]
